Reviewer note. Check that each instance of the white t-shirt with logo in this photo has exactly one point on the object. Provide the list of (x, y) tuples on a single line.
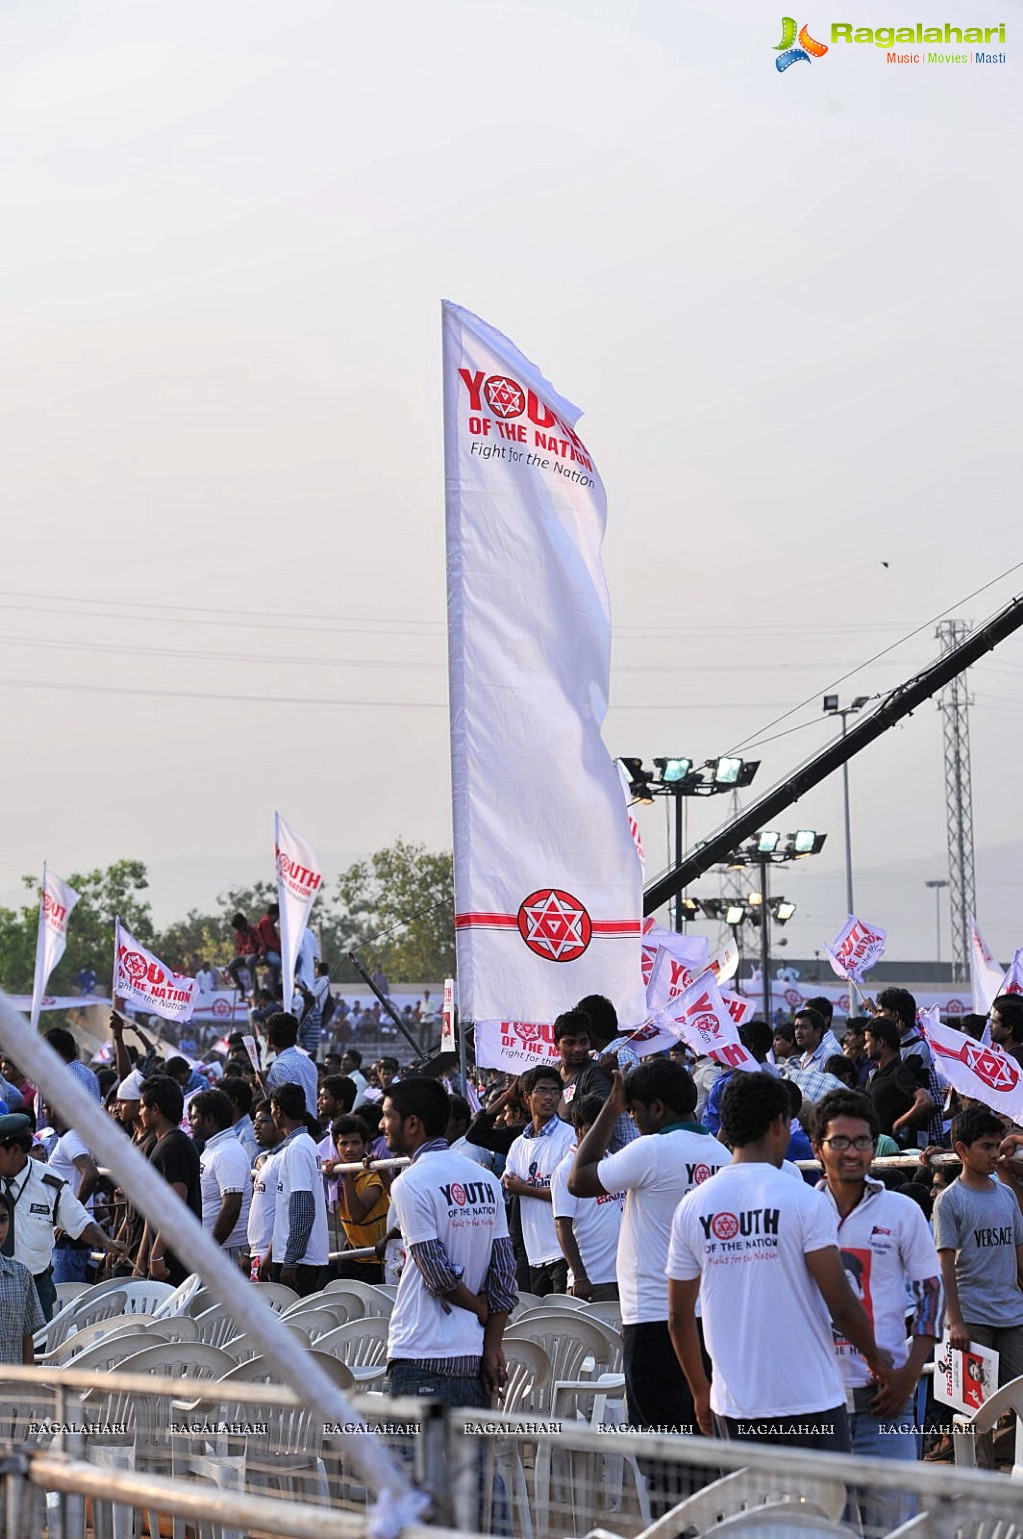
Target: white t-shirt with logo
[(443, 1196), (655, 1172), (745, 1233), (534, 1160), (885, 1243), (298, 1170), (224, 1168), (596, 1224), (263, 1204)]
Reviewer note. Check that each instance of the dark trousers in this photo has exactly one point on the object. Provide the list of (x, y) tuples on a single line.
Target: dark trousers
[(552, 1277), (359, 1271), (308, 1279), (656, 1390), (46, 1292), (827, 1431)]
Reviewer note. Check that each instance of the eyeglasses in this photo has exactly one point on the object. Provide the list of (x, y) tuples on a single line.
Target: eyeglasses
[(840, 1143)]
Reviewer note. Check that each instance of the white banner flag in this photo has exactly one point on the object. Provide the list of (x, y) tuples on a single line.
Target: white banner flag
[(685, 959), (548, 885), (1012, 983), (515, 1046), (724, 964), (143, 980), (985, 973), (637, 837), (298, 881), (701, 1018), (982, 1072), (855, 950), (56, 900)]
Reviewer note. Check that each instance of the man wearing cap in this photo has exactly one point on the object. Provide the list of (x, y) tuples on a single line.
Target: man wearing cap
[(40, 1201)]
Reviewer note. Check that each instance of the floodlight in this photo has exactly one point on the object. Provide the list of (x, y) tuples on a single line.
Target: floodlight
[(804, 842), (735, 913), (754, 899), (712, 907), (784, 911), (673, 770), (831, 702), (860, 702), (767, 841), (689, 907), (725, 772)]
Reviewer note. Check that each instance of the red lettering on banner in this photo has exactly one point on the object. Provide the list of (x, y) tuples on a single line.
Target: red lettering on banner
[(474, 384)]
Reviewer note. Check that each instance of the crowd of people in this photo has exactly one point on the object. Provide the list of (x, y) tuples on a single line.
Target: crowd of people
[(757, 1299)]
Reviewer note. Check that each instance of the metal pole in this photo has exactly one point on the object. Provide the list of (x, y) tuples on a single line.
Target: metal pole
[(854, 996), (677, 798), (765, 940)]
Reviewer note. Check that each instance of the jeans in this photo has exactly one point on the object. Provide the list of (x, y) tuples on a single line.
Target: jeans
[(657, 1396), (827, 1431), (879, 1437), (72, 1263), (407, 1377)]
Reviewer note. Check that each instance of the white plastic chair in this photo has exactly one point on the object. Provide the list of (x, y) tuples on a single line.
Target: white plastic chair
[(80, 1312), (527, 1389), (736, 1494), (362, 1345), (242, 1348), (966, 1429), (321, 1315), (374, 1302), (276, 1296)]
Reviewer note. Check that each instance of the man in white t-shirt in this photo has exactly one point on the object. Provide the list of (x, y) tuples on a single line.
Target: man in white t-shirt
[(889, 1255), (299, 1248), (761, 1252), (260, 1228), (225, 1183), (532, 1160), (458, 1283), (70, 1159), (672, 1155), (588, 1228)]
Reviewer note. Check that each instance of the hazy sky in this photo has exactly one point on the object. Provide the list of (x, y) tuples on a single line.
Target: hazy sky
[(789, 305)]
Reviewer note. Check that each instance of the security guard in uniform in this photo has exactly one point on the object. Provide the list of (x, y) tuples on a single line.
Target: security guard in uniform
[(40, 1203)]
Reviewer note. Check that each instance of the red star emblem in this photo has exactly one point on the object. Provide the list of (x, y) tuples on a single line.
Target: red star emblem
[(994, 1069), (504, 396), (554, 925)]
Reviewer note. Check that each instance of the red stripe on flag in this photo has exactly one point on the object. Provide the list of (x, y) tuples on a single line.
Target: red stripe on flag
[(464, 920)]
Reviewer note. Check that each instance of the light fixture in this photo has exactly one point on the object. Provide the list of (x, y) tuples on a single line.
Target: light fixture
[(712, 907), (735, 913), (767, 840), (755, 899), (805, 841), (831, 702), (690, 908), (860, 702), (726, 771), (671, 771), (784, 910)]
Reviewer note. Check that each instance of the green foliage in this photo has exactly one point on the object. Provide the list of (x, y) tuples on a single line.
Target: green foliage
[(397, 908), (90, 940)]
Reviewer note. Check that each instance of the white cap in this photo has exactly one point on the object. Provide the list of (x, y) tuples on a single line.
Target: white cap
[(130, 1088)]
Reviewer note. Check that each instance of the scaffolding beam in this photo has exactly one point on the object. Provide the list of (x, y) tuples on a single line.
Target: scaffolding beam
[(954, 704)]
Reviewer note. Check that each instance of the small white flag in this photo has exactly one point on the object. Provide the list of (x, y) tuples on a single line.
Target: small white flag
[(1012, 983), (143, 980), (701, 1018), (56, 900), (856, 949)]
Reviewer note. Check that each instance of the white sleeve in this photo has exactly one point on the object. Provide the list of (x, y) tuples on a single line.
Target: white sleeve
[(820, 1223), (414, 1213), (563, 1203), (625, 1170)]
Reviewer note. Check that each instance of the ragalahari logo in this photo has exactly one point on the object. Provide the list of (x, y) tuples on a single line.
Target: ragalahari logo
[(788, 54)]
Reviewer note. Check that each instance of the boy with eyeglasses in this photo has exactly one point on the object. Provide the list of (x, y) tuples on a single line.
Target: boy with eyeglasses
[(885, 1243)]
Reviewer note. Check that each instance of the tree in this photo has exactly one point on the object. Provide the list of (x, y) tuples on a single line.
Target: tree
[(397, 908), (90, 934), (208, 937)]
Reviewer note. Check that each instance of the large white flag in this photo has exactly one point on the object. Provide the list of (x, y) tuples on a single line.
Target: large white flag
[(299, 879), (56, 901), (515, 1046), (985, 973), (143, 980), (980, 1071), (855, 949), (548, 886)]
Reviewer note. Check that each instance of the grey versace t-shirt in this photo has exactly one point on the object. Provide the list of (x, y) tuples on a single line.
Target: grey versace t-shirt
[(983, 1228)]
